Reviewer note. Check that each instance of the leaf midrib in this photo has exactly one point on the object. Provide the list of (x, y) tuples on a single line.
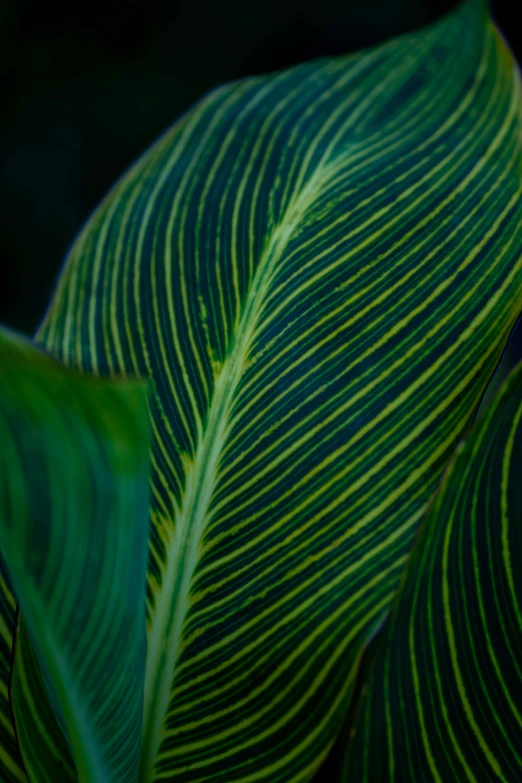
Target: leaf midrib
[(201, 473)]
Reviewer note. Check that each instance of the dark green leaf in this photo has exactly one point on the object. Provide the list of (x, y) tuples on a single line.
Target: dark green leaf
[(44, 748), (73, 531), (11, 768), (444, 702)]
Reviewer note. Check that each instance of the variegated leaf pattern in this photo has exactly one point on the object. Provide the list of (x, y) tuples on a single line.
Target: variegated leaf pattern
[(328, 771), (444, 702), (11, 768), (74, 523), (318, 270), (43, 745)]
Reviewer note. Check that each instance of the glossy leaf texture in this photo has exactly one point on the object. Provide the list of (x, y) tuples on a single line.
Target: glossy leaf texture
[(11, 767), (318, 270), (444, 701), (74, 522)]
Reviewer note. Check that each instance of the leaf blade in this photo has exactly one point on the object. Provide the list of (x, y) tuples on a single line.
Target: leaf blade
[(43, 745), (11, 767), (74, 524), (453, 652), (318, 271)]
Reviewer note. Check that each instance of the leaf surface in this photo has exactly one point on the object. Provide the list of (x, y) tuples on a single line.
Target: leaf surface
[(73, 531), (318, 270), (43, 745), (11, 768), (444, 701)]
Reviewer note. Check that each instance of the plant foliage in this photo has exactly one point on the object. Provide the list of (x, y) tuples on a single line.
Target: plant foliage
[(316, 271)]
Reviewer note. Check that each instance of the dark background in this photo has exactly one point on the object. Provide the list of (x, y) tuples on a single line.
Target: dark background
[(87, 86)]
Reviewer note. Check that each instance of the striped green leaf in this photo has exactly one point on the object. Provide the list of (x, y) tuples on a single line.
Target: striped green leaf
[(42, 743), (318, 270), (11, 768), (444, 701), (73, 532)]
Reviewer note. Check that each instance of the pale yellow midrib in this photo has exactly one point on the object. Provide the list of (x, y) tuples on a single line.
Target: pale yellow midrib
[(168, 620)]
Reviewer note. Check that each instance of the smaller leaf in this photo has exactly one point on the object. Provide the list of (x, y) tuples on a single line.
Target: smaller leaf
[(444, 701), (44, 748), (11, 768), (74, 478)]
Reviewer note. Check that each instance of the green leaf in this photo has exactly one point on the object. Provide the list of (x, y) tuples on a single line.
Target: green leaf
[(444, 702), (73, 532), (44, 748), (330, 768), (11, 768), (318, 270)]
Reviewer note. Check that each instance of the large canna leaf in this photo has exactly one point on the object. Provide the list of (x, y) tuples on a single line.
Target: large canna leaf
[(444, 701), (318, 270), (11, 768), (73, 532)]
